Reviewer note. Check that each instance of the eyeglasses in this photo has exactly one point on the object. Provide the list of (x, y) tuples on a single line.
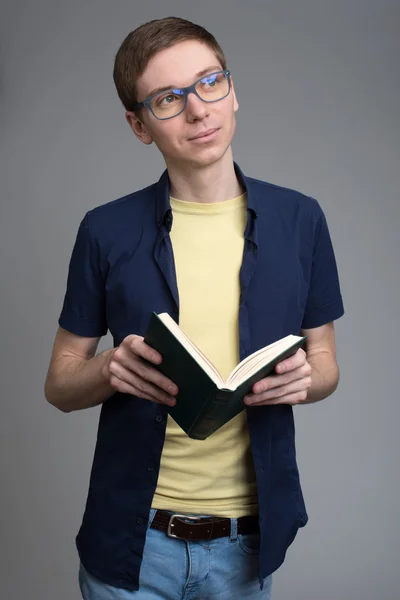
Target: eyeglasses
[(170, 103)]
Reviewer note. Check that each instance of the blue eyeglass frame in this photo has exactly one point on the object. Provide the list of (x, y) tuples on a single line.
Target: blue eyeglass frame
[(190, 89)]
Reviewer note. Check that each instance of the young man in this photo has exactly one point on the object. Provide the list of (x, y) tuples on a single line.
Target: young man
[(240, 263)]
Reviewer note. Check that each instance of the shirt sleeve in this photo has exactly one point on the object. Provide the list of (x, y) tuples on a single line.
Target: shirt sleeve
[(324, 301), (83, 311)]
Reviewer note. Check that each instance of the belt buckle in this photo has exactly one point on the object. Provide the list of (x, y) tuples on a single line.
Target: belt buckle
[(171, 524)]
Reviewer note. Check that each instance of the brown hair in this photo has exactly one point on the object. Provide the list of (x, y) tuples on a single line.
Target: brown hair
[(143, 43)]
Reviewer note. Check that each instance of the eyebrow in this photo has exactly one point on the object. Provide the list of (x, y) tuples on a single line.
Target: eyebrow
[(198, 75)]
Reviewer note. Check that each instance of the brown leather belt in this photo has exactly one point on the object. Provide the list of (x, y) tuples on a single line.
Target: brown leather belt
[(186, 527)]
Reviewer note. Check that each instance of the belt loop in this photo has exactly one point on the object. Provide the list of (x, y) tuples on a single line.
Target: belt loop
[(234, 527), (151, 516)]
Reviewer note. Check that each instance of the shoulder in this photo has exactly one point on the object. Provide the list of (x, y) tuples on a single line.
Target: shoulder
[(128, 213), (137, 203), (283, 199), (291, 213)]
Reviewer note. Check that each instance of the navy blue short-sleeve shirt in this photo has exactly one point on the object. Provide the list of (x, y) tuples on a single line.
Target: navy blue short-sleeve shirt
[(121, 270)]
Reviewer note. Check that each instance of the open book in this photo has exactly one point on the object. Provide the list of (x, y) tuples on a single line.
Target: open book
[(205, 401)]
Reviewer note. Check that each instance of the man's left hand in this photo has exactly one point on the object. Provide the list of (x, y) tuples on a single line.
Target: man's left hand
[(289, 386)]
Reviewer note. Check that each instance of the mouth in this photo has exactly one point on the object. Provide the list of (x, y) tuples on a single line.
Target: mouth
[(205, 135)]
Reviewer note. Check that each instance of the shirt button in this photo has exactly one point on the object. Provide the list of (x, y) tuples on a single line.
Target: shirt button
[(150, 468), (139, 520), (159, 418)]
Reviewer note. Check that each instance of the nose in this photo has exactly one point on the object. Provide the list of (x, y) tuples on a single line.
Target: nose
[(196, 109)]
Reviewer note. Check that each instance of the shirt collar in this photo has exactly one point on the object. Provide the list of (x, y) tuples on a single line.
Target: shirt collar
[(163, 194)]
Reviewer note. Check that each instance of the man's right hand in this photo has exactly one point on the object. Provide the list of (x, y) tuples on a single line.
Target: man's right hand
[(128, 370)]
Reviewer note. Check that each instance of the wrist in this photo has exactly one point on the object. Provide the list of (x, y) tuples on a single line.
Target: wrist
[(105, 358)]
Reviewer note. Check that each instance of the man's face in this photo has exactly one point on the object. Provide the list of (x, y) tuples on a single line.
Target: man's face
[(179, 67)]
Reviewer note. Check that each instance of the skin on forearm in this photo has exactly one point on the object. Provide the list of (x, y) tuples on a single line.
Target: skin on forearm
[(77, 383), (324, 375)]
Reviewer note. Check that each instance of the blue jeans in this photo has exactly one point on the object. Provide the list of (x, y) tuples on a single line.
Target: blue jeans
[(172, 569)]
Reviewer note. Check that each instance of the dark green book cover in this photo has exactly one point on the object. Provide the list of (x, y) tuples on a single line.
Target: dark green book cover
[(201, 406)]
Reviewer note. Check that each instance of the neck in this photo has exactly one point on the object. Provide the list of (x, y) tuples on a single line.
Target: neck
[(213, 183)]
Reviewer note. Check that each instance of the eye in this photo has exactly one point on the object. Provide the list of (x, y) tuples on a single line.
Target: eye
[(168, 99), (210, 81)]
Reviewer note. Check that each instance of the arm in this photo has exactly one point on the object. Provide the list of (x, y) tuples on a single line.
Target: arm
[(78, 379), (321, 356), (74, 379), (306, 377)]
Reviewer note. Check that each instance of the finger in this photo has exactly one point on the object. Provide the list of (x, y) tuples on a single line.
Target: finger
[(152, 376), (293, 387), (145, 371), (125, 388), (276, 381), (289, 364), (139, 347), (293, 399), (141, 387)]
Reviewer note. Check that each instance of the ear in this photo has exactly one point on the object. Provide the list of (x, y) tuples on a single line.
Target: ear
[(235, 100), (138, 128)]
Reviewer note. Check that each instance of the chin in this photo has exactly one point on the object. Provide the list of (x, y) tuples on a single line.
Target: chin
[(205, 157), (199, 156)]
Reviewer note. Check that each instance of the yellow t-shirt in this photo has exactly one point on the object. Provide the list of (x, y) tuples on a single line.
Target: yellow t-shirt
[(214, 476)]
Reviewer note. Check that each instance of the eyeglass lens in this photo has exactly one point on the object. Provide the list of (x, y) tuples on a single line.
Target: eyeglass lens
[(171, 102)]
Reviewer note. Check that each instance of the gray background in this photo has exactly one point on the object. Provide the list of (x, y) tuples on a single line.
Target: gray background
[(318, 85)]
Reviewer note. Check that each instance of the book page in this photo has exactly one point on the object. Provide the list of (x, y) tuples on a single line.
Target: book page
[(249, 359), (255, 361), (243, 370), (191, 347)]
